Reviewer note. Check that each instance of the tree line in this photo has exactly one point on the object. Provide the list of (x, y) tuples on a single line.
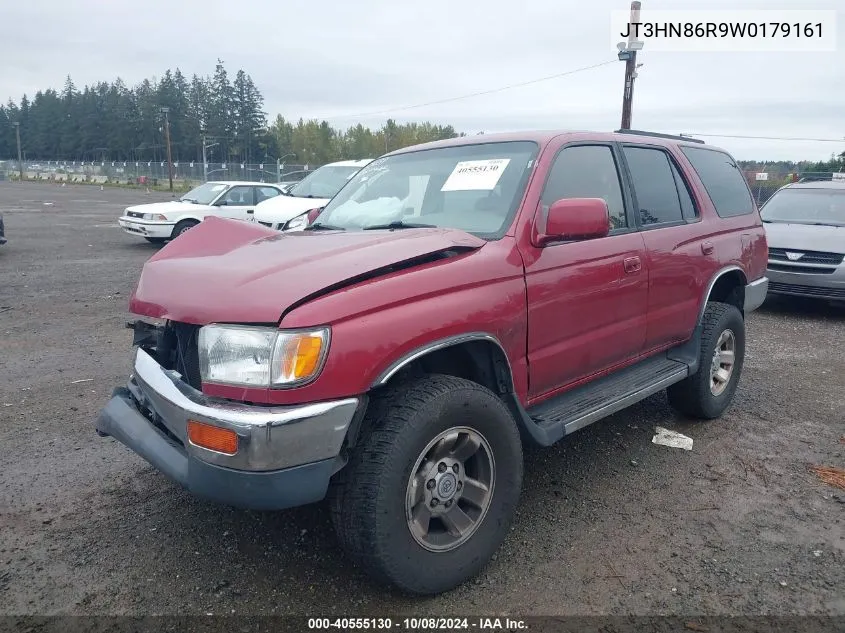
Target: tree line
[(113, 121), (784, 167)]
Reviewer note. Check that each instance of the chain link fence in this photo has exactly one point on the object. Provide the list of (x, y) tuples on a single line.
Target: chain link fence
[(152, 173), (188, 174), (764, 184)]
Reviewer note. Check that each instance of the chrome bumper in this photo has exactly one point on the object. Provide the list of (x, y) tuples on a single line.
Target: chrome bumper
[(755, 294), (269, 438)]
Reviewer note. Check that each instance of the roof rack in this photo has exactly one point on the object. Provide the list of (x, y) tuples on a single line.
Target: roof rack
[(677, 137)]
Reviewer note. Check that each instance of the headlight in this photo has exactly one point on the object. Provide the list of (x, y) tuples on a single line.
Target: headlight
[(261, 356), (299, 222), (154, 216)]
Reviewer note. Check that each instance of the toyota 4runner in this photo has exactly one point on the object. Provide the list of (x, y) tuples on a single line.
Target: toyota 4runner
[(454, 301)]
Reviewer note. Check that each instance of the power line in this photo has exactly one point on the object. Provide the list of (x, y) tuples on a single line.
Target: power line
[(474, 94), (770, 138)]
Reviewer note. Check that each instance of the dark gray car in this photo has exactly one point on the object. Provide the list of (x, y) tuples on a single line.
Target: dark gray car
[(805, 229)]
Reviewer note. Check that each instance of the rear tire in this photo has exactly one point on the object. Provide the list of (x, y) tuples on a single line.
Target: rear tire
[(181, 227), (385, 504), (708, 392)]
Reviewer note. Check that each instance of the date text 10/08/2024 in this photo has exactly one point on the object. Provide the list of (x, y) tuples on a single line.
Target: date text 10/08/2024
[(418, 624)]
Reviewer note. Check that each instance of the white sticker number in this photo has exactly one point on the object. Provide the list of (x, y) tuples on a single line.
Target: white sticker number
[(476, 174)]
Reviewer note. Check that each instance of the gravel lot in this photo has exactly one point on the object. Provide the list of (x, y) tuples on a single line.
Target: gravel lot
[(609, 522)]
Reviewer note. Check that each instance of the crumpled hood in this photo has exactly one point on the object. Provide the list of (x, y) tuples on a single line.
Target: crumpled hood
[(229, 271), (164, 207), (284, 208), (805, 237)]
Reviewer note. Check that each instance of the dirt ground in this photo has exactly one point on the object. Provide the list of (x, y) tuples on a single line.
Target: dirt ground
[(609, 523)]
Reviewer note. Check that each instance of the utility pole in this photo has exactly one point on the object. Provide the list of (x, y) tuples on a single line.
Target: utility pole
[(628, 54), (166, 110), (18, 136)]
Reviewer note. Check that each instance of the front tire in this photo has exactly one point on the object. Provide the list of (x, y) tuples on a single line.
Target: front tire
[(182, 227), (708, 392), (431, 489)]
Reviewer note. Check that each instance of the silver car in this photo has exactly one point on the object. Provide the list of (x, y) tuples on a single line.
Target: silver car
[(805, 229)]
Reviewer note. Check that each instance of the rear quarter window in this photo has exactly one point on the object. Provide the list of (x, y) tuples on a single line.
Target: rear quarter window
[(722, 180)]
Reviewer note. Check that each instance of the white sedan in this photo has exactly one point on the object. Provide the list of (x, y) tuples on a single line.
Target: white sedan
[(161, 221), (289, 211)]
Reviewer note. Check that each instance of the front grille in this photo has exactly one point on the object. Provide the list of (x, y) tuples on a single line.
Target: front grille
[(808, 257), (807, 291), (186, 360), (810, 270)]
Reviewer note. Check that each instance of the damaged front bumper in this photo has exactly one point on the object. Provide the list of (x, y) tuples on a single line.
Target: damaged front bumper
[(155, 229), (285, 455)]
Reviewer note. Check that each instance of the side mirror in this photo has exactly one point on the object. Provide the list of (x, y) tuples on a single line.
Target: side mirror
[(575, 219), (313, 213), (220, 203)]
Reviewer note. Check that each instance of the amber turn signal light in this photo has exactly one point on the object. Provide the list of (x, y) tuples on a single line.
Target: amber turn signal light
[(300, 356), (212, 437)]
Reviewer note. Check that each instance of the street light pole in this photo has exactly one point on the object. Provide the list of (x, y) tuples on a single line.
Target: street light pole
[(18, 136), (206, 146), (204, 161), (166, 110)]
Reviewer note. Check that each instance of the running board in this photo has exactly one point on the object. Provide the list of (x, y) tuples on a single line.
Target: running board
[(589, 403)]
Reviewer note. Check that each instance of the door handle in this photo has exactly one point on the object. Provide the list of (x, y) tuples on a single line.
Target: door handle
[(707, 247), (250, 210), (632, 264)]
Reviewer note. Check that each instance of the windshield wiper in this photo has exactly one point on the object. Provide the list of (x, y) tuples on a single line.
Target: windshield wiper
[(319, 226), (399, 224), (811, 223), (191, 200)]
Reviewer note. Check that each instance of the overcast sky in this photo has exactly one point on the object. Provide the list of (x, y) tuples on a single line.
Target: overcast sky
[(337, 59)]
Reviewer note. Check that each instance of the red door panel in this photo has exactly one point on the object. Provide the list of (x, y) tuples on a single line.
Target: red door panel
[(587, 304), (678, 273)]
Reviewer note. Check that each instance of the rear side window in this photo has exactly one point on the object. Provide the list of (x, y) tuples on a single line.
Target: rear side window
[(723, 181), (654, 186), (264, 193), (687, 205)]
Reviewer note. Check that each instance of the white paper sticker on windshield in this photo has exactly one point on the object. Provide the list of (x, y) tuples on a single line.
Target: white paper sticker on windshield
[(475, 174)]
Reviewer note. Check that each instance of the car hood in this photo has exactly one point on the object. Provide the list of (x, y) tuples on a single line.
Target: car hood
[(805, 237), (283, 208), (228, 271), (165, 207)]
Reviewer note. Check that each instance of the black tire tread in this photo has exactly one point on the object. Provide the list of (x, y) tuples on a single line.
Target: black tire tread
[(692, 395), (355, 486), (179, 225)]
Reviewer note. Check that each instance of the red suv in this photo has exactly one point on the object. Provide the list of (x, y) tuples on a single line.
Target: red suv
[(454, 301)]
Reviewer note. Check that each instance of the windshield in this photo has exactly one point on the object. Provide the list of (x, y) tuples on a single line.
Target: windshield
[(474, 188), (806, 206), (204, 194), (324, 182)]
